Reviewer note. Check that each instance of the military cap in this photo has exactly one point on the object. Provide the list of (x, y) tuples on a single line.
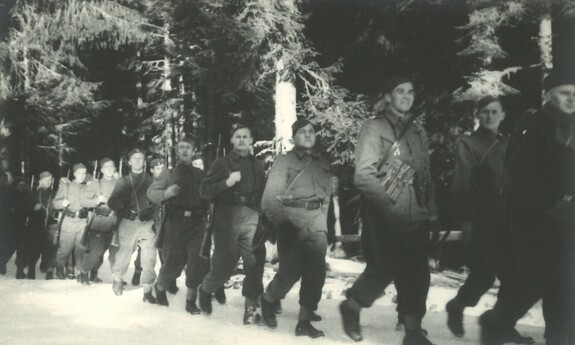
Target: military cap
[(78, 166), (104, 161), (187, 138), (237, 126), (134, 151), (393, 82), (557, 78), (300, 123), (156, 162), (44, 174), (485, 101)]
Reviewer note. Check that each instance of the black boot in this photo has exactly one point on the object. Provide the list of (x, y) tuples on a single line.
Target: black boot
[(220, 295), (118, 287), (305, 328), (512, 336), (173, 288), (454, 311), (49, 275), (60, 273), (31, 272), (148, 298), (415, 337), (252, 317), (94, 276), (192, 308), (161, 296), (492, 332), (314, 317), (278, 309), (268, 313), (20, 273), (350, 318), (84, 279), (205, 300), (70, 273), (136, 278)]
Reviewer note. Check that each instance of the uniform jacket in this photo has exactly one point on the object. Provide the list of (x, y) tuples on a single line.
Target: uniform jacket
[(314, 184), (74, 193), (44, 197), (479, 173), (249, 188), (129, 194), (376, 137)]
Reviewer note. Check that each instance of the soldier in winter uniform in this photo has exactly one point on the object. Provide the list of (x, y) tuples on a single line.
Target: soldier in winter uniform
[(136, 215), (540, 229), (73, 202), (392, 175), (235, 184), (179, 190), (296, 200), (477, 185)]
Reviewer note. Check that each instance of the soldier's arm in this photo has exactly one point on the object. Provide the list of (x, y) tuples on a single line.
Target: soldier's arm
[(89, 195), (60, 196), (461, 189), (275, 186), (430, 202), (156, 191), (118, 198), (215, 182), (367, 158)]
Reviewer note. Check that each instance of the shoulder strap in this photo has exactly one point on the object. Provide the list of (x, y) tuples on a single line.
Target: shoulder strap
[(296, 177), (395, 143)]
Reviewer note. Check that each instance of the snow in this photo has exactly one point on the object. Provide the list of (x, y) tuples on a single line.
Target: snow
[(65, 312)]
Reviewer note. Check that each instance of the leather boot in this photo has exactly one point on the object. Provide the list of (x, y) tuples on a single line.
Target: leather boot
[(350, 318), (268, 313), (70, 273), (161, 296), (94, 276), (192, 308), (49, 275), (31, 272), (454, 311), (220, 295), (415, 337), (118, 287), (173, 288), (305, 328), (84, 279), (60, 273), (148, 298), (20, 273), (492, 332), (314, 317), (205, 300), (252, 317), (136, 278), (278, 309)]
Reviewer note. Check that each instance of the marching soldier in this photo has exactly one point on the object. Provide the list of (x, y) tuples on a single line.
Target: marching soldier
[(392, 175), (235, 184), (183, 229), (477, 185), (136, 215), (296, 200), (39, 207), (102, 223), (540, 233), (71, 199)]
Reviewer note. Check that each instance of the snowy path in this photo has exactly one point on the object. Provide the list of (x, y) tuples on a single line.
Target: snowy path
[(64, 312)]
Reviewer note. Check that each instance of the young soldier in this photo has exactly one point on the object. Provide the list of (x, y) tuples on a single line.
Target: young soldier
[(136, 215), (72, 200), (540, 209), (296, 200), (39, 208), (396, 213), (102, 224), (235, 184), (179, 190), (477, 185)]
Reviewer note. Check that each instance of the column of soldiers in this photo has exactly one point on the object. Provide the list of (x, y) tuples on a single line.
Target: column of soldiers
[(515, 207)]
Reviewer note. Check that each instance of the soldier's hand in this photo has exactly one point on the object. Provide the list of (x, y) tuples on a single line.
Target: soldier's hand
[(234, 178), (65, 203), (102, 199), (172, 191), (64, 180), (37, 207)]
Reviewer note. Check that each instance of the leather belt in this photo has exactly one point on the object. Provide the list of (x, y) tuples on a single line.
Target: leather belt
[(194, 213), (306, 205), (102, 211), (131, 215), (75, 214)]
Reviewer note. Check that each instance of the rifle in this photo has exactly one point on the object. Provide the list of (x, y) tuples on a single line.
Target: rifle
[(61, 217), (159, 241), (85, 241), (31, 187), (95, 170), (206, 241)]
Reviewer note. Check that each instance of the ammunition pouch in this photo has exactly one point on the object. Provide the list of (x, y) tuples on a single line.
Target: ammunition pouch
[(396, 176), (81, 213)]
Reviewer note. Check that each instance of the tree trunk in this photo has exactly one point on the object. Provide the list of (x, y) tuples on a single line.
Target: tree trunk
[(285, 108), (545, 46)]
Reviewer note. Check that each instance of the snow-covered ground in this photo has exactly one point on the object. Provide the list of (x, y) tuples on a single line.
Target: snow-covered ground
[(53, 312)]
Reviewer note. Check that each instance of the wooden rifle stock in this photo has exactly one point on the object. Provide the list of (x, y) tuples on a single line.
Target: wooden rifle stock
[(207, 240)]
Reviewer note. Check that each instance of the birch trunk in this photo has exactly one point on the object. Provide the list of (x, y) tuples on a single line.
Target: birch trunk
[(545, 47), (285, 108)]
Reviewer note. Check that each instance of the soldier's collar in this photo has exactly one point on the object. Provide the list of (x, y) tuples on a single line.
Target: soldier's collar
[(396, 120), (301, 152), (487, 132), (236, 155)]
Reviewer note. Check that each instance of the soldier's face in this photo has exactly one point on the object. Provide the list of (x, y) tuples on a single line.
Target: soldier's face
[(137, 161), (185, 152), (491, 116), (305, 137), (242, 139), (401, 98), (45, 182), (562, 97), (108, 169), (80, 175), (157, 170)]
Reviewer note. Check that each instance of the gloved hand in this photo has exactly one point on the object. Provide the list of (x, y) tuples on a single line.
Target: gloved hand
[(146, 214), (172, 191)]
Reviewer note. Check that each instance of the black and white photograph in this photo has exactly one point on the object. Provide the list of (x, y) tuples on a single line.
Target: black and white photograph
[(216, 172)]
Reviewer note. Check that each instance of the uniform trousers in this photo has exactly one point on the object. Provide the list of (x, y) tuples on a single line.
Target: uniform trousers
[(70, 240), (132, 233)]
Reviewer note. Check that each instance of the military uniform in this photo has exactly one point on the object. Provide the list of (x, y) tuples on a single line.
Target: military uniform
[(395, 237), (235, 220), (74, 222), (183, 227), (101, 227), (477, 185), (135, 211), (540, 235), (296, 199)]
